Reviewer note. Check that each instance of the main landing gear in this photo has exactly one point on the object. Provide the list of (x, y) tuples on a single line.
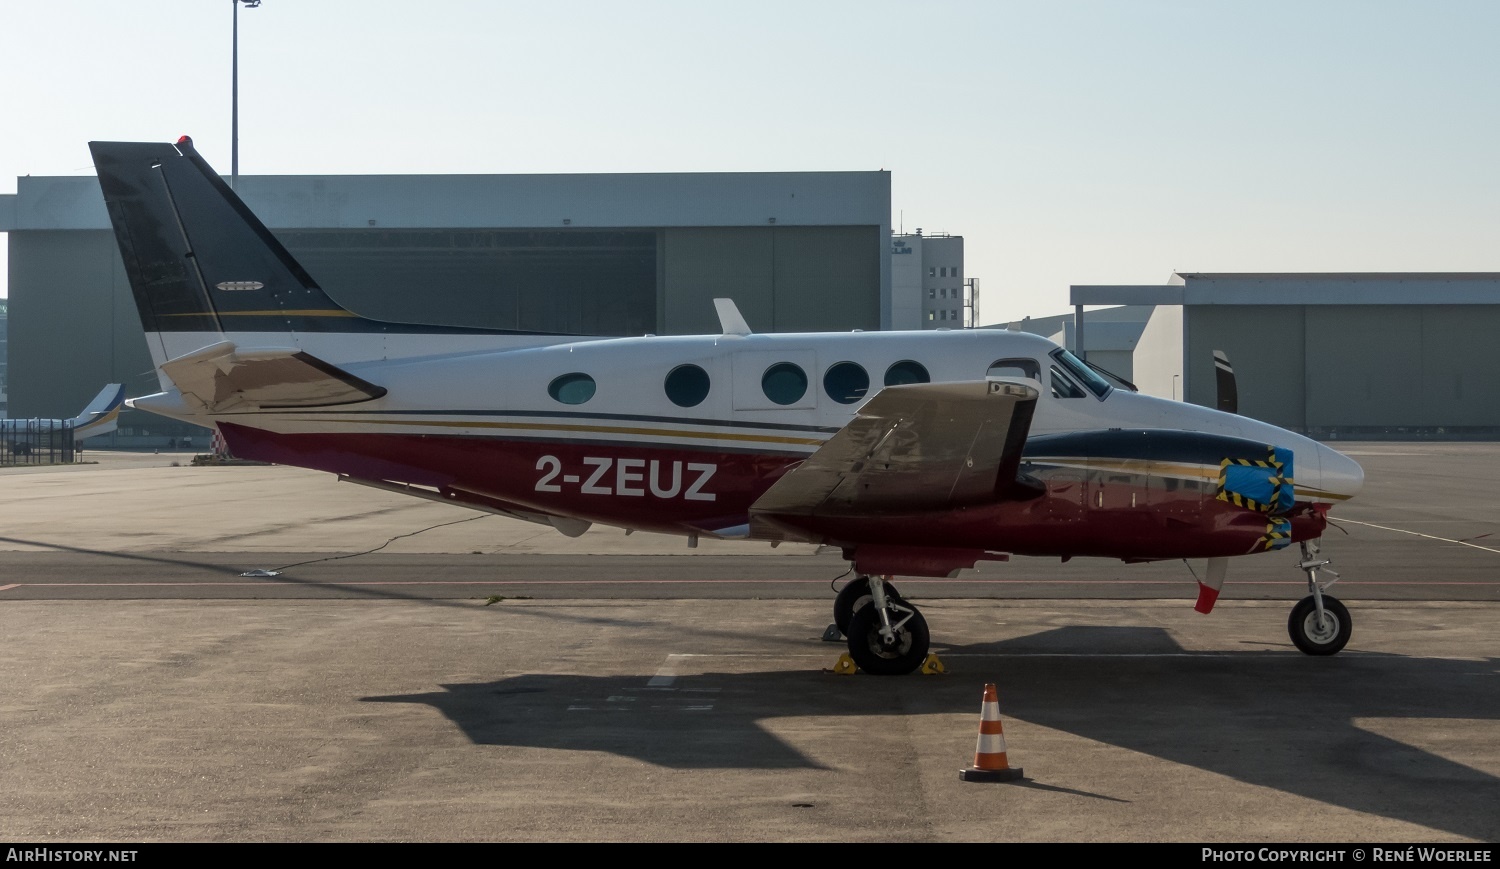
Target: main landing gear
[(1319, 624), (887, 636)]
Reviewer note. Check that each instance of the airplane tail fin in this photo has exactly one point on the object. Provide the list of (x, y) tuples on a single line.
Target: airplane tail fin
[(198, 260), (203, 268), (102, 414), (1228, 395)]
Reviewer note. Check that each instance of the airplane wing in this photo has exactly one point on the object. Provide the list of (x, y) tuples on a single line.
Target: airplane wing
[(223, 377), (925, 446)]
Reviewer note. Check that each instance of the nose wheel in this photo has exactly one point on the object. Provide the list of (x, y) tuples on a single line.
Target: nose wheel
[(1319, 633), (1319, 623)]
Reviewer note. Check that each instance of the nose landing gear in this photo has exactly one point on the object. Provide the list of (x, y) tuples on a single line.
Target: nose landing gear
[(1319, 623)]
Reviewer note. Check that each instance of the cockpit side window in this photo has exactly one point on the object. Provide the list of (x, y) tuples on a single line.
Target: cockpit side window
[(1082, 373), (1063, 386), (1015, 368)]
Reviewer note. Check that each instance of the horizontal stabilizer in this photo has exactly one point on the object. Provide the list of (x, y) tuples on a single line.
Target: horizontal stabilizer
[(929, 446), (224, 378)]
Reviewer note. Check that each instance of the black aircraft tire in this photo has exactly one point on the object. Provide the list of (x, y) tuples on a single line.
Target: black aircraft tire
[(872, 656), (855, 596), (1303, 626)]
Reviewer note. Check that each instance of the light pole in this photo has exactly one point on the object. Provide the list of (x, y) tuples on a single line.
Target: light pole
[(234, 96)]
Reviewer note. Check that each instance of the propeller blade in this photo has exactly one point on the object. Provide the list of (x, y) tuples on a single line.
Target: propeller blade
[(1229, 393)]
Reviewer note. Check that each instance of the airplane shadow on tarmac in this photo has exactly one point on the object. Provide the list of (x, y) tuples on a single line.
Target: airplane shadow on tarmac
[(1283, 721)]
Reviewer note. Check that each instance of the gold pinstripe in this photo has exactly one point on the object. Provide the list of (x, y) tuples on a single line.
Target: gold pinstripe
[(1148, 465), (108, 417), (270, 314), (595, 429), (1198, 472), (1319, 493)]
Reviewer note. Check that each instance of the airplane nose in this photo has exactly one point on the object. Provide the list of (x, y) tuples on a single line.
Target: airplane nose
[(1342, 477)]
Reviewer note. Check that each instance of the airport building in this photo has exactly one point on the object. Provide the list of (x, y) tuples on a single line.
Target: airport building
[(4, 325), (1334, 355), (928, 288), (606, 254)]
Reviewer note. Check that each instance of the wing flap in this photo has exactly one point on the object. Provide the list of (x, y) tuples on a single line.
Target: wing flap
[(223, 378), (917, 447)]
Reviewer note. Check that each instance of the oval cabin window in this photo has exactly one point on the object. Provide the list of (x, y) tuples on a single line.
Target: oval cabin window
[(846, 383), (784, 383), (575, 388), (906, 371), (687, 385)]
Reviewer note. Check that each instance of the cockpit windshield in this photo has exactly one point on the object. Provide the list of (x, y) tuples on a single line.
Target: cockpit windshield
[(1084, 374)]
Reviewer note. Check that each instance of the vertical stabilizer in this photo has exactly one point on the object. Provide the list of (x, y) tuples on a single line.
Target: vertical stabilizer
[(204, 269), (200, 264), (731, 321), (102, 414), (1227, 393)]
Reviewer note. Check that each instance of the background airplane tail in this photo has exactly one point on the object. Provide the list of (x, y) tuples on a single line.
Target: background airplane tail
[(102, 414)]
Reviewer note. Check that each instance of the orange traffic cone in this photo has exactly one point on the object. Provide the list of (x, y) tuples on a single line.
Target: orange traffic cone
[(990, 763)]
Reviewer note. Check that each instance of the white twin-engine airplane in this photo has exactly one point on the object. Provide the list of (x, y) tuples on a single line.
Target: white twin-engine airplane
[(916, 453)]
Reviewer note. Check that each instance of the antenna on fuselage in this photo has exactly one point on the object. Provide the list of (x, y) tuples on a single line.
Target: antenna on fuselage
[(730, 319)]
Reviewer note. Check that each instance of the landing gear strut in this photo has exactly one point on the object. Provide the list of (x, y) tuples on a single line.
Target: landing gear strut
[(887, 635), (855, 596), (1319, 624)]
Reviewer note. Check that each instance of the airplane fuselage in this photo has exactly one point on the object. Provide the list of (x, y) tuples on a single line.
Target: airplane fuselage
[(602, 431)]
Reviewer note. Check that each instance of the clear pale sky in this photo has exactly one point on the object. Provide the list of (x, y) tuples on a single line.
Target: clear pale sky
[(1068, 142)]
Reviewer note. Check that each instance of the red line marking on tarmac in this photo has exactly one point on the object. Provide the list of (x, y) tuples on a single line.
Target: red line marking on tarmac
[(672, 582)]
